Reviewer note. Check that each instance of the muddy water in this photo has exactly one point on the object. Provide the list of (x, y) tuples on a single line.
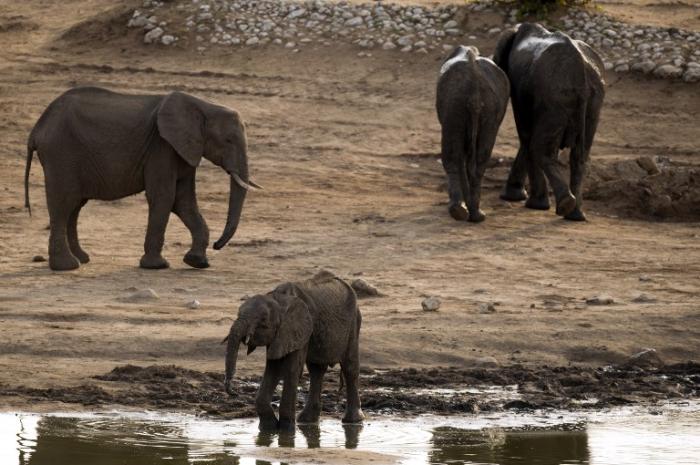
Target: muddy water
[(639, 435)]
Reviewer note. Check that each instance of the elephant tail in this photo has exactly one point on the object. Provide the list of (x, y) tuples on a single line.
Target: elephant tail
[(31, 147)]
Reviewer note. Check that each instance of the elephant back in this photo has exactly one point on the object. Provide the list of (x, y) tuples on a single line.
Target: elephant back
[(333, 306)]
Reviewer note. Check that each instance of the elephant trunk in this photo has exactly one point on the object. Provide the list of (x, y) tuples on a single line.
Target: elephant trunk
[(235, 337), (235, 207)]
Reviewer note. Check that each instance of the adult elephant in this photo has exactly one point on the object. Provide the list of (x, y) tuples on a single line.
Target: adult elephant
[(96, 144), (315, 321), (472, 96), (557, 91)]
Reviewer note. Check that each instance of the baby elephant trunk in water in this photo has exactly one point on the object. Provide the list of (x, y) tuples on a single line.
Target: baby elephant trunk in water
[(234, 341)]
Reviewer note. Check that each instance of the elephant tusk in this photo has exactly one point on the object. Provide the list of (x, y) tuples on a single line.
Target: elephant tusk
[(250, 185)]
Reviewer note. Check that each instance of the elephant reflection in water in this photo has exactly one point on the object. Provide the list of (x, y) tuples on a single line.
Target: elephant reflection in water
[(454, 445), (312, 434)]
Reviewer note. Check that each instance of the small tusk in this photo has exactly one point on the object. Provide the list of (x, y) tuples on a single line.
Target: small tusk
[(255, 184), (246, 340), (247, 186)]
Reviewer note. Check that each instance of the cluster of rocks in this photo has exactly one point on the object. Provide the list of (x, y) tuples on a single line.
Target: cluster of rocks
[(663, 52), (294, 24)]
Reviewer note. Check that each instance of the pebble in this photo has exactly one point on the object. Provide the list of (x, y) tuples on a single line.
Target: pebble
[(486, 307), (38, 258), (600, 300), (142, 295), (647, 358), (644, 299), (649, 165), (431, 304), (363, 288), (666, 53), (193, 304)]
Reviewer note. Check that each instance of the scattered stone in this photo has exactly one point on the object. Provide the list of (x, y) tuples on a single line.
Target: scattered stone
[(38, 258), (431, 304), (647, 358), (388, 45), (167, 39), (153, 35), (486, 307), (193, 304), (487, 362), (648, 165), (600, 300), (645, 279), (644, 299), (142, 295), (668, 71), (364, 289)]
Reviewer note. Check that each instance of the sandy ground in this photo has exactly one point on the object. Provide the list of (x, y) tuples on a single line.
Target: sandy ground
[(346, 148)]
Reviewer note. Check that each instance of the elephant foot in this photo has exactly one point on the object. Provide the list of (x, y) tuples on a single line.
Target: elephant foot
[(566, 205), (153, 263), (458, 211), (287, 424), (196, 261), (309, 416), (63, 263), (513, 193), (82, 257), (537, 203), (476, 216), (576, 215), (268, 424), (353, 416)]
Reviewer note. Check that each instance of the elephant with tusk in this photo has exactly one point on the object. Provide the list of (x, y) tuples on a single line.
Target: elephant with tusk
[(316, 322), (96, 144)]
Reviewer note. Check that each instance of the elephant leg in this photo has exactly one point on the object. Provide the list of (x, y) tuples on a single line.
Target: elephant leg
[(312, 409), (476, 170), (547, 153), (514, 190), (185, 207), (351, 372), (578, 171), (538, 198), (72, 231), (271, 377), (161, 199), (61, 206), (293, 366), (452, 153)]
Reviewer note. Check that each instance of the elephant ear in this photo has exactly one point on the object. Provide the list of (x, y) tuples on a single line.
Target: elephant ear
[(505, 43), (181, 123), (295, 328)]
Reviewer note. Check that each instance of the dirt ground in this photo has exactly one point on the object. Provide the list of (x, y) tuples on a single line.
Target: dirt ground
[(347, 150)]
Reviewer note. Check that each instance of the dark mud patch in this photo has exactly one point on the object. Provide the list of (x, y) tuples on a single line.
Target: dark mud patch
[(646, 188), (408, 391), (102, 28)]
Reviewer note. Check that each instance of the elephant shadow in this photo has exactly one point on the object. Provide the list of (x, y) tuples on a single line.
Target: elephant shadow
[(312, 435)]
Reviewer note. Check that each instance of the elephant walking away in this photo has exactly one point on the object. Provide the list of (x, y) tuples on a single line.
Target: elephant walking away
[(316, 322), (96, 144), (472, 96), (557, 91)]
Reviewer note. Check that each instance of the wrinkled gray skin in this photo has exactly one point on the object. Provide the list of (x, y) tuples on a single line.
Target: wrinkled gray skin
[(98, 144), (557, 91), (315, 321), (472, 96)]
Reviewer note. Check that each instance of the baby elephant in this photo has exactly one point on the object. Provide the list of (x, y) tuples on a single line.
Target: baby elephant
[(472, 96), (315, 321)]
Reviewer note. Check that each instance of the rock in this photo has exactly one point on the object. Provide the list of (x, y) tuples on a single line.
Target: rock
[(494, 31), (252, 41), (153, 35), (193, 304), (364, 289), (647, 358), (388, 45), (298, 13), (486, 307), (142, 295), (167, 39), (600, 300), (645, 278), (487, 362), (692, 75), (38, 259), (648, 165), (622, 68), (450, 24), (646, 66), (353, 22), (644, 299), (137, 21), (431, 304), (668, 71)]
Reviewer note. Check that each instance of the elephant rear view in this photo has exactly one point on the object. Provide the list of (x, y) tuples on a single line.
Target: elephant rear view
[(96, 144), (316, 322), (557, 92), (472, 96)]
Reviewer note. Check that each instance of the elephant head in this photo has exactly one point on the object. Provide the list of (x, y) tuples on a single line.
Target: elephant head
[(196, 128), (281, 322)]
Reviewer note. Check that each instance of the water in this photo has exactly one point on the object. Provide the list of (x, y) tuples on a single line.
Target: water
[(635, 435)]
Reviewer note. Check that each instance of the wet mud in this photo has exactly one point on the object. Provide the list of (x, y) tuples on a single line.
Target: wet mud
[(407, 391)]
